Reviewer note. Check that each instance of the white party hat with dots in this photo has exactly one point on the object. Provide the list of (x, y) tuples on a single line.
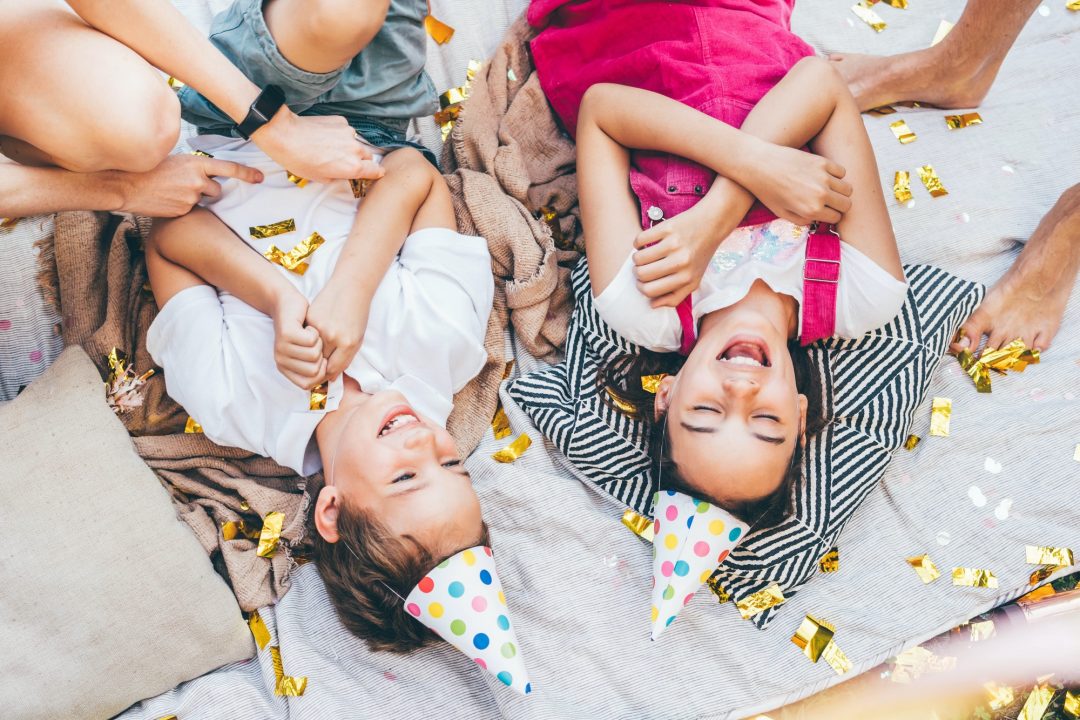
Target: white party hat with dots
[(462, 600), (692, 538)]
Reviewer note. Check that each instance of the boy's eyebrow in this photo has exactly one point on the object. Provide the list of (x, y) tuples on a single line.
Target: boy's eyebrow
[(764, 438)]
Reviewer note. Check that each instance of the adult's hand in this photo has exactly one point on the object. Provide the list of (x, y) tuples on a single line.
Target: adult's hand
[(799, 186), (319, 148), (177, 184)]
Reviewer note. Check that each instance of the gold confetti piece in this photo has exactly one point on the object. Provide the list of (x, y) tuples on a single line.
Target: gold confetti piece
[(977, 370), (940, 413), (317, 399), (955, 122), (902, 132), (192, 426), (651, 383), (293, 260), (911, 442), (830, 561), (261, 232), (259, 630), (360, 187), (925, 567), (982, 630), (1073, 5), (1037, 576), (1039, 593), (514, 450), (509, 369), (1038, 555), (122, 386), (551, 219), (244, 505), (974, 577), (914, 662), (760, 601), (624, 406), (439, 31), (863, 12), (450, 101), (1036, 703), (812, 637), (836, 658), (1001, 696), (639, 524), (232, 529), (932, 182), (1008, 357), (881, 111), (270, 534), (718, 590), (8, 223), (201, 153), (1072, 700), (296, 179), (174, 83), (943, 29), (898, 4), (167, 717), (902, 186), (285, 685), (500, 424)]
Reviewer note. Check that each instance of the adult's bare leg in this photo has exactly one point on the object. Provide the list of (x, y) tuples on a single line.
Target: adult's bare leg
[(1029, 300), (955, 73), (76, 98)]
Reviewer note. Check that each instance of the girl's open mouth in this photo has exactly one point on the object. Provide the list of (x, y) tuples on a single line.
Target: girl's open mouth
[(747, 350)]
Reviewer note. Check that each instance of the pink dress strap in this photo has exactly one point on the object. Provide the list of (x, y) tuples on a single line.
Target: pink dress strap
[(685, 310), (821, 277)]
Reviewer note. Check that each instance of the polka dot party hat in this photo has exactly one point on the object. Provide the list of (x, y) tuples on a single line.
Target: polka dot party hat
[(462, 600), (692, 538)]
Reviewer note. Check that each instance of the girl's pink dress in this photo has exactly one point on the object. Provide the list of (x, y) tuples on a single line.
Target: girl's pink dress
[(718, 56)]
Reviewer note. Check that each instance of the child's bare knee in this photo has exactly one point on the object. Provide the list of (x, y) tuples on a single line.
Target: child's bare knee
[(346, 24), (819, 71)]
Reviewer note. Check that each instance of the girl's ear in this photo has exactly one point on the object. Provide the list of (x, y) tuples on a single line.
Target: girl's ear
[(803, 405), (663, 396), (326, 513)]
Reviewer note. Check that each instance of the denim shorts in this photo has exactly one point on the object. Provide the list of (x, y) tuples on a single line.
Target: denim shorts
[(377, 92)]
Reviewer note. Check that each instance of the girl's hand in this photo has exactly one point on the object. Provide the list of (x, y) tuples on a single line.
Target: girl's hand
[(318, 148), (298, 350), (797, 185)]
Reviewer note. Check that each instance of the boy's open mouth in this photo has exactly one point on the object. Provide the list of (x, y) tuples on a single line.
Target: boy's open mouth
[(398, 417), (746, 350)]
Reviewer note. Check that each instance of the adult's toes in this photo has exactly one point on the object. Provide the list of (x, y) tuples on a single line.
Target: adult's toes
[(971, 332)]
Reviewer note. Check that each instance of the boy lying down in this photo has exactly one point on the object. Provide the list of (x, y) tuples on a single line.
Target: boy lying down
[(390, 306)]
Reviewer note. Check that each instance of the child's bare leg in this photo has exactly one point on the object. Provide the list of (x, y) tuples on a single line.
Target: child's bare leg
[(322, 35)]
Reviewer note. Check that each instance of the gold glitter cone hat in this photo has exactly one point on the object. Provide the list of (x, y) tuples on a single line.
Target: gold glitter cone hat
[(692, 538), (462, 600)]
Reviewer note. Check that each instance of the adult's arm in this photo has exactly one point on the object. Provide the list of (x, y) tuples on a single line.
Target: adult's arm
[(318, 148)]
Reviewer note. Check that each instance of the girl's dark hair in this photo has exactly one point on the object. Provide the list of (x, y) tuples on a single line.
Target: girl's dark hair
[(360, 585), (622, 383)]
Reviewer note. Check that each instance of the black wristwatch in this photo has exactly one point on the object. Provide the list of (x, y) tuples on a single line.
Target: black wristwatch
[(265, 107)]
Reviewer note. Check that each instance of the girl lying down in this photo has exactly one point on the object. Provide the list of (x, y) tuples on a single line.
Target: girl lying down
[(684, 114), (381, 308)]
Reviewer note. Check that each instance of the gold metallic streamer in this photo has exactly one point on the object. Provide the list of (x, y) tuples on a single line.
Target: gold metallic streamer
[(261, 232), (167, 717), (232, 529), (902, 132), (1040, 555), (500, 424), (622, 405), (259, 630), (1073, 5), (360, 187), (722, 595), (830, 561), (956, 122), (1072, 700), (932, 182), (1036, 703), (925, 567), (1010, 357), (911, 442), (285, 685), (940, 414), (836, 658), (882, 111), (902, 186), (1037, 576), (317, 399), (639, 524), (974, 577), (760, 601), (977, 370), (550, 218), (293, 260), (863, 12), (296, 179), (942, 30), (201, 153), (651, 383), (1001, 696), (450, 101), (812, 637), (174, 83), (270, 535), (192, 426), (514, 450), (439, 31)]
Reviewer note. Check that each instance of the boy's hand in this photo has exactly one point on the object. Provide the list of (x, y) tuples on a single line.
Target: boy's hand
[(340, 315), (799, 186), (298, 350)]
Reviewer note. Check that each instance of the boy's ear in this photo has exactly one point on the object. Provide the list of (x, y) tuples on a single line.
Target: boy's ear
[(663, 396), (326, 513)]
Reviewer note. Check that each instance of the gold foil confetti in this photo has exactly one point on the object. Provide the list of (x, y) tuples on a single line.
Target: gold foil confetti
[(911, 442), (760, 601), (902, 132), (167, 717), (174, 83), (270, 535), (940, 414), (285, 685), (956, 122), (1039, 593), (1037, 576), (863, 12), (439, 31), (932, 182), (1001, 696), (122, 386), (1073, 5), (1037, 555), (8, 223), (317, 399), (639, 524), (1072, 700), (812, 637), (624, 406), (882, 111), (244, 505), (450, 101), (722, 595), (232, 529), (1015, 356), (830, 561), (901, 187), (296, 179), (514, 450), (551, 219), (293, 260), (192, 426), (982, 630), (1036, 703), (201, 153), (836, 658), (898, 4), (500, 424), (651, 383), (360, 187), (925, 568), (261, 232), (943, 29), (259, 630), (977, 370), (914, 662), (974, 577)]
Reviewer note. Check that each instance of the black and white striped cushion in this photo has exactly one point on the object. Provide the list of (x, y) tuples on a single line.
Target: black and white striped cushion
[(871, 388)]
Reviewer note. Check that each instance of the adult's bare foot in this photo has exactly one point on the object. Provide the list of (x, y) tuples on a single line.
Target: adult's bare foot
[(926, 76), (1030, 298)]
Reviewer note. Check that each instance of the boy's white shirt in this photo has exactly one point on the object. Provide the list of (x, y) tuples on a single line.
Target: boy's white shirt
[(424, 336)]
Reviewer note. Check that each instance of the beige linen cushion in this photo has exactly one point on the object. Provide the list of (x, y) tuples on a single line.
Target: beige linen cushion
[(106, 597)]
